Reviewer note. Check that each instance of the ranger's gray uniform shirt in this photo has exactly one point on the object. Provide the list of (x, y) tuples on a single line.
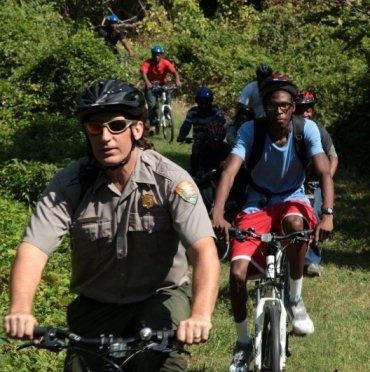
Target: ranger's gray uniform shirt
[(124, 246)]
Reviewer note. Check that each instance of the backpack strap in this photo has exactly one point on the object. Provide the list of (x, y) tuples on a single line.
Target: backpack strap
[(260, 130), (298, 137)]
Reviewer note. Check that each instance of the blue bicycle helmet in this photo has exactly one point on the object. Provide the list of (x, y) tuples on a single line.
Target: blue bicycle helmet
[(203, 94), (157, 49), (112, 18), (263, 71)]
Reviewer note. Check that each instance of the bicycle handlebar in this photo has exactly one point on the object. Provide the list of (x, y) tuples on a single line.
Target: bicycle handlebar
[(241, 235), (145, 334), (167, 88), (55, 339)]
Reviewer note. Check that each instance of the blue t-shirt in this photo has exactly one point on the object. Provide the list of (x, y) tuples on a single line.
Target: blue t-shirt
[(279, 168)]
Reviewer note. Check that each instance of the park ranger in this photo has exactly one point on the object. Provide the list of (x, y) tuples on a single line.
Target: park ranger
[(134, 217)]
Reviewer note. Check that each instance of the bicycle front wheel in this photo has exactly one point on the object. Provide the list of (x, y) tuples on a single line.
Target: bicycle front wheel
[(271, 339), (168, 127)]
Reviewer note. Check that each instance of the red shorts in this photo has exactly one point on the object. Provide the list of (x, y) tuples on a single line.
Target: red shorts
[(264, 221)]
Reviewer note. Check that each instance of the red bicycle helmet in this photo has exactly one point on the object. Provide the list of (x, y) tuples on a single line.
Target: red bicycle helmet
[(306, 97)]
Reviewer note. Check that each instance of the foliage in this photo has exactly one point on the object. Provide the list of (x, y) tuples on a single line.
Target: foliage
[(24, 180), (26, 31), (45, 138)]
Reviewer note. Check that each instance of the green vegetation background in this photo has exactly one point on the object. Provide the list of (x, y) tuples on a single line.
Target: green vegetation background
[(49, 52)]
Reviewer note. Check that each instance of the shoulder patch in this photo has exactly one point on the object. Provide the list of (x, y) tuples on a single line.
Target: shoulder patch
[(187, 191)]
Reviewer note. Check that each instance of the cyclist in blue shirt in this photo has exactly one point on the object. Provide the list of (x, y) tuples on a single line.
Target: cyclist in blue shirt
[(275, 201)]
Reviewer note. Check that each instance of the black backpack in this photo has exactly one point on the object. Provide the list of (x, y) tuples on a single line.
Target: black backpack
[(260, 130)]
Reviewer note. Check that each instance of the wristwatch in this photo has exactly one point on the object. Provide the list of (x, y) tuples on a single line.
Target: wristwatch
[(327, 211)]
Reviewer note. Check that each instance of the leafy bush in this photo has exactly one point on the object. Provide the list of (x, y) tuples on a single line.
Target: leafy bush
[(25, 31), (25, 180)]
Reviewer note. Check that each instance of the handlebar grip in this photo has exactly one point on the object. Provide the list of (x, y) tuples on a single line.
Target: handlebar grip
[(39, 331)]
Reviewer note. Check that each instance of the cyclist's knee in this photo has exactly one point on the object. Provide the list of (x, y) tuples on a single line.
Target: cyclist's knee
[(293, 223)]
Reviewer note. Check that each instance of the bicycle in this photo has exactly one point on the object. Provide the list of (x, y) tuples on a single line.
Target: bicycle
[(164, 109), (116, 352), (271, 345)]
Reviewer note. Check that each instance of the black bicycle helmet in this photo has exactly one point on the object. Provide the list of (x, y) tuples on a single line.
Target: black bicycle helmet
[(306, 98), (277, 82), (112, 95), (263, 71)]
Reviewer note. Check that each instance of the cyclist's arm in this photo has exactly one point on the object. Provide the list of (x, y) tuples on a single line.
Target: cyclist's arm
[(321, 166), (177, 78), (206, 269), (25, 277), (185, 128), (231, 168), (333, 160), (148, 84)]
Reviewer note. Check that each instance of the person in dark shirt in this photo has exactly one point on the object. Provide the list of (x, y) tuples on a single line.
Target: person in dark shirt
[(305, 103), (112, 34), (198, 117)]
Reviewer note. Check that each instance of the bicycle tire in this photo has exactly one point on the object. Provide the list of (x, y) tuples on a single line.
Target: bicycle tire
[(168, 127), (271, 339)]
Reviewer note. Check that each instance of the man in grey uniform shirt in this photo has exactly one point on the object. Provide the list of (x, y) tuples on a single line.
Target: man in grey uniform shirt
[(134, 217)]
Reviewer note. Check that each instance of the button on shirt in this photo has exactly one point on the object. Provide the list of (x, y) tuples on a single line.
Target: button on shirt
[(279, 168), (124, 246)]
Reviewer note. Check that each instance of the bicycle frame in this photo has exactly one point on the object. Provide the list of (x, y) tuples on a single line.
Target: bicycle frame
[(162, 107)]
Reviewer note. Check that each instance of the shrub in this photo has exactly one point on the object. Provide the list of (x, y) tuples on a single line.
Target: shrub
[(25, 180)]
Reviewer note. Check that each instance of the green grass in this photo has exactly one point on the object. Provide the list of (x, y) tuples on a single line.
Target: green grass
[(338, 301)]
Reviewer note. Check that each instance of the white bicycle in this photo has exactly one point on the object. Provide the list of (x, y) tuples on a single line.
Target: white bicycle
[(271, 291), (164, 109)]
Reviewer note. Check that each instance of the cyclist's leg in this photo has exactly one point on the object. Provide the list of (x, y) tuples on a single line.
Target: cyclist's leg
[(195, 157), (246, 260), (91, 318), (168, 98), (164, 310), (295, 216), (313, 257), (152, 110)]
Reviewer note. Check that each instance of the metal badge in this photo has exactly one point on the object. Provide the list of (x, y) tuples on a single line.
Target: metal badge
[(147, 201)]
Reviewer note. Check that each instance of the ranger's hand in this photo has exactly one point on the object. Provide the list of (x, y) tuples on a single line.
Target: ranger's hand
[(194, 330), (324, 227), (20, 325)]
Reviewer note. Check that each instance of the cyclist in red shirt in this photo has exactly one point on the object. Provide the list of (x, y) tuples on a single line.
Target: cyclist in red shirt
[(155, 70)]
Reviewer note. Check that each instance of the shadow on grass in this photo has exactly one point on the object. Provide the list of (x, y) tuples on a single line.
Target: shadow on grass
[(350, 259)]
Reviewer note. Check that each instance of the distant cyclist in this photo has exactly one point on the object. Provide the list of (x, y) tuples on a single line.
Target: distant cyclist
[(156, 69), (305, 103), (249, 105), (198, 117), (112, 34)]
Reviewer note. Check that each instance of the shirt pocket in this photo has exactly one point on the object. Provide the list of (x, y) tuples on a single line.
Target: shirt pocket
[(91, 246), (92, 230), (150, 223)]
